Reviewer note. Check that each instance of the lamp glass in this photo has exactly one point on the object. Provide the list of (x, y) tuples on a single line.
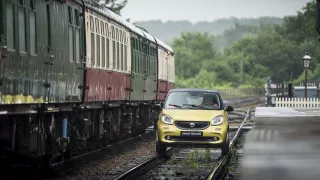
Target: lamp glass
[(306, 63)]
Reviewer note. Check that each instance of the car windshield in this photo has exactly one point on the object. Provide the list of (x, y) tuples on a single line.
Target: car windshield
[(193, 100)]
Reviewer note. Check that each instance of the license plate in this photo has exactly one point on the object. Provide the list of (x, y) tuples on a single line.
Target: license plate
[(187, 133)]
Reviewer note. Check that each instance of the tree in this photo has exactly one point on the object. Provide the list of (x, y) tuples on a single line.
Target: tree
[(114, 5), (274, 51), (192, 51)]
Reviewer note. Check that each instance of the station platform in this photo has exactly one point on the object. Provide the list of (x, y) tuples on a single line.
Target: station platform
[(284, 144)]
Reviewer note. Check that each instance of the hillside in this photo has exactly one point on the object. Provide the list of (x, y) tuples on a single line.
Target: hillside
[(259, 53), (169, 30)]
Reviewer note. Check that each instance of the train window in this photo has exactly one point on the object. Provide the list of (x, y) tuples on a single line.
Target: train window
[(98, 50), (22, 30), (93, 50), (77, 45), (107, 52), (33, 43), (118, 57), (10, 26), (133, 44), (91, 24), (102, 28), (124, 37), (114, 54), (117, 33), (97, 25), (32, 4), (125, 57), (70, 14), (137, 44), (122, 59), (112, 32), (49, 24), (103, 51), (107, 30), (77, 17), (71, 58), (151, 51), (151, 68), (141, 46)]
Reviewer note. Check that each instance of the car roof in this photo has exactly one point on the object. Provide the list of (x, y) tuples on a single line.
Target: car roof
[(194, 89)]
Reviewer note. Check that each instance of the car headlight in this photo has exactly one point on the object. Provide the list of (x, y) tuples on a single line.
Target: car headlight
[(217, 120), (167, 119)]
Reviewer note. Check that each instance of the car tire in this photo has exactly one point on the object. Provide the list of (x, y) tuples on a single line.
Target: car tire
[(225, 146), (160, 148)]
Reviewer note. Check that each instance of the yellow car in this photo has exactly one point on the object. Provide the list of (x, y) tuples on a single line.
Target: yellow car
[(193, 118)]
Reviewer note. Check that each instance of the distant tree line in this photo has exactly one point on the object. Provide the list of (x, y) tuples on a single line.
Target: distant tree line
[(269, 50)]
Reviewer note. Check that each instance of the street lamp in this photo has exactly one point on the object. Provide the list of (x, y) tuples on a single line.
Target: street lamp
[(306, 64)]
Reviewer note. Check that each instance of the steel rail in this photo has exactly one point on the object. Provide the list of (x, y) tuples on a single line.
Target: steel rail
[(146, 165), (218, 170), (61, 167), (154, 161), (64, 166)]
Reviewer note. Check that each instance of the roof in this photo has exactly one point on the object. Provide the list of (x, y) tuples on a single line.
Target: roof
[(112, 15), (193, 89), (164, 45), (148, 36)]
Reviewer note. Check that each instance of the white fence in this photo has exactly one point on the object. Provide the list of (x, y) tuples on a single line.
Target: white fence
[(297, 102)]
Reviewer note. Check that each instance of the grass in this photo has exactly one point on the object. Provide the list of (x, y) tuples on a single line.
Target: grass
[(193, 160)]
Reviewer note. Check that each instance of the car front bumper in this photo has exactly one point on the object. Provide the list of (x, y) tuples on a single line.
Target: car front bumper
[(213, 136)]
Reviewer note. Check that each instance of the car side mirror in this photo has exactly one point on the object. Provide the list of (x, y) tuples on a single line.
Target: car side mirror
[(229, 108)]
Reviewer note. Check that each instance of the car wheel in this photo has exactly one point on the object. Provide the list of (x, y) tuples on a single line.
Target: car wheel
[(225, 146), (160, 148)]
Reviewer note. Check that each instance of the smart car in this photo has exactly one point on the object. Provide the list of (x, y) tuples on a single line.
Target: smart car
[(193, 118)]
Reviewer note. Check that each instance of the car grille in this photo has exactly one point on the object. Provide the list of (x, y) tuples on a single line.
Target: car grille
[(198, 125)]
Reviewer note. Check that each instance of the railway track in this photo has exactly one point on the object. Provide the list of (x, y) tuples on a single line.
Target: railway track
[(182, 163), (59, 169)]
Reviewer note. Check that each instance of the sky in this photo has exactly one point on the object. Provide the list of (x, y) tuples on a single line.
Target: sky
[(208, 10)]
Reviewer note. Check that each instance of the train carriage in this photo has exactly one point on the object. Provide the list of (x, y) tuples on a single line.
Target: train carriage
[(75, 76), (41, 45), (33, 39), (166, 70), (108, 56)]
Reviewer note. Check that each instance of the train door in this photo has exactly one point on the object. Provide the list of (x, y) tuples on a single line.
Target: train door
[(137, 75)]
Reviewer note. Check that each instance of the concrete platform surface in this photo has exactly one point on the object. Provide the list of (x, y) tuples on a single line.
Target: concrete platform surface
[(284, 145)]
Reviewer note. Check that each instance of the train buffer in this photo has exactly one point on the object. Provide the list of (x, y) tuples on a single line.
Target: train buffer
[(284, 144)]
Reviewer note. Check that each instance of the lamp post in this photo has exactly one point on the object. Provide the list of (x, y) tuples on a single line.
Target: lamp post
[(306, 64)]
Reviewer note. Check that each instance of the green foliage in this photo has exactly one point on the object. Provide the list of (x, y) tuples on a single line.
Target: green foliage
[(115, 5), (268, 50), (193, 159)]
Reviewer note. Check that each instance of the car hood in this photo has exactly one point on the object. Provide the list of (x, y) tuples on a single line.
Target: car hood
[(194, 115)]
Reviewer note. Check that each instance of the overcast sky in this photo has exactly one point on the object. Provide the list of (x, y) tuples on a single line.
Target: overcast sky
[(208, 10)]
